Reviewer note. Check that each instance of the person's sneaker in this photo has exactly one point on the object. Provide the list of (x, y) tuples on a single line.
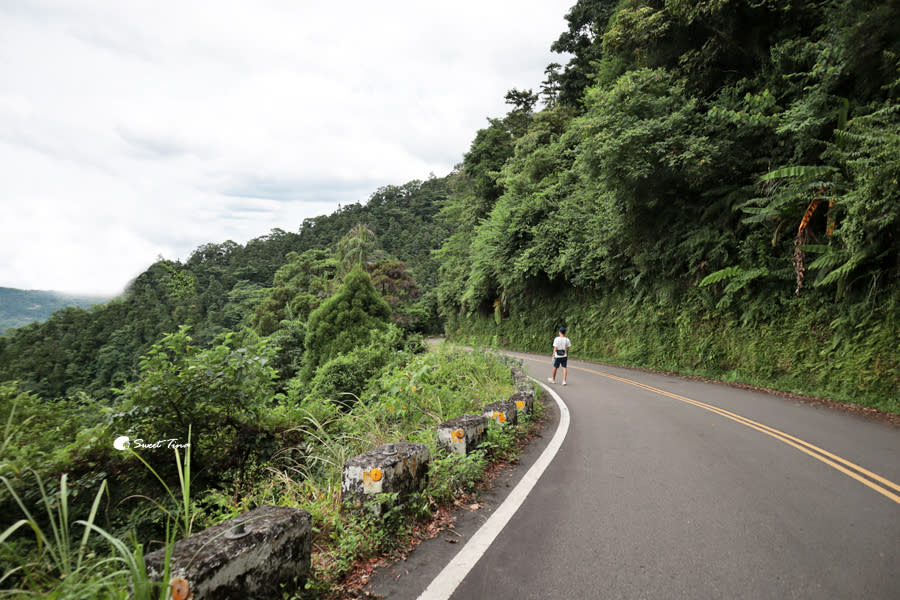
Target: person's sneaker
[(551, 380), (564, 383)]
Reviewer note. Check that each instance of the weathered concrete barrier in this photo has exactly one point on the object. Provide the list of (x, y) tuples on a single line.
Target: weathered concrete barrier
[(463, 434), (400, 467), (519, 376), (524, 400), (503, 412), (263, 553)]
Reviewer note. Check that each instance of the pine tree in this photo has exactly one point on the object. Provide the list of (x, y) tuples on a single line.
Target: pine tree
[(344, 321)]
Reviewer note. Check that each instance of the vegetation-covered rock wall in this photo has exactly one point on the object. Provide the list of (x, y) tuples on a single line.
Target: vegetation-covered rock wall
[(710, 186)]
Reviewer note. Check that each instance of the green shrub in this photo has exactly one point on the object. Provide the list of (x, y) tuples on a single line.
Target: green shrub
[(452, 475), (429, 390), (344, 322), (345, 377)]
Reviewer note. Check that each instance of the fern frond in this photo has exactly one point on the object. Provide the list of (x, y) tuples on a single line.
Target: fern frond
[(828, 261), (762, 212), (841, 273), (740, 281), (847, 136), (721, 275), (802, 172), (753, 274)]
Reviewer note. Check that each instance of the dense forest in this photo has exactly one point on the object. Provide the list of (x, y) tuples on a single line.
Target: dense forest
[(263, 285), (704, 187), (710, 187)]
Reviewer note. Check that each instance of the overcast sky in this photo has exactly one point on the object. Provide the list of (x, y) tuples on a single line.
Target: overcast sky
[(136, 129)]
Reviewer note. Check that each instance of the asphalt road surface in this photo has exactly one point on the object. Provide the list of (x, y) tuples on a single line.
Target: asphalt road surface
[(667, 488)]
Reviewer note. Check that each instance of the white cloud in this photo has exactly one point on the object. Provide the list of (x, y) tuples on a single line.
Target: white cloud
[(134, 129)]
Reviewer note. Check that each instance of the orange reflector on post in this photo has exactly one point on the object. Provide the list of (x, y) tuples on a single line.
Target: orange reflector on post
[(180, 589)]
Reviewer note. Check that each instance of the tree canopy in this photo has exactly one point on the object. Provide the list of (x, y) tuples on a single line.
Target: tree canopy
[(703, 133), (344, 321)]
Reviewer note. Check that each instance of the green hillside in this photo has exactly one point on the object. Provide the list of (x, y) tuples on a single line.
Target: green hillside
[(268, 285)]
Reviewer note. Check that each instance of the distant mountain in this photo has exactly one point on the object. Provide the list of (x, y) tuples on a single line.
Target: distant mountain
[(20, 307)]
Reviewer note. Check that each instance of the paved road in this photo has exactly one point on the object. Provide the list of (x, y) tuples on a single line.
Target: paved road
[(667, 488)]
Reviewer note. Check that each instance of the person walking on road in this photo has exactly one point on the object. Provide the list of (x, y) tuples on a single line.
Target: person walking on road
[(561, 345)]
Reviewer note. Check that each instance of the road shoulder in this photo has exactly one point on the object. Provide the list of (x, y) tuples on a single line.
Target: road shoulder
[(408, 577)]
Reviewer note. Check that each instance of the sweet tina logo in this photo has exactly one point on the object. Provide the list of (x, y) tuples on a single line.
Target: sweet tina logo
[(123, 442)]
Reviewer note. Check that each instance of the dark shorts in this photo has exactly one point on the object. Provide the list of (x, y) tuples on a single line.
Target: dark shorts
[(560, 361)]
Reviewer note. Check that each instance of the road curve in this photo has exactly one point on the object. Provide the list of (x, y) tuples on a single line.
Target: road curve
[(671, 488)]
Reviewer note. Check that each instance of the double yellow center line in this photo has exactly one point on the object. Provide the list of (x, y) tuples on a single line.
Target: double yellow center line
[(883, 486)]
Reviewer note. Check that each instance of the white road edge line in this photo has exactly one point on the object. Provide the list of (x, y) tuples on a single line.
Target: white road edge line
[(443, 586)]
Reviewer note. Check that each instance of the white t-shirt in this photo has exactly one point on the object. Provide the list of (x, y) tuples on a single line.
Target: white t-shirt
[(561, 343)]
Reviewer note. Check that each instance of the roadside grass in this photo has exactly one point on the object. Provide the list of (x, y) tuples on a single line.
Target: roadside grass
[(71, 556), (402, 404), (61, 564), (352, 545)]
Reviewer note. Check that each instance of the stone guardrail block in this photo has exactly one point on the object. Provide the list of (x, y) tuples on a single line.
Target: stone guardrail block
[(463, 434), (263, 553), (400, 467), (503, 412), (518, 375), (524, 400)]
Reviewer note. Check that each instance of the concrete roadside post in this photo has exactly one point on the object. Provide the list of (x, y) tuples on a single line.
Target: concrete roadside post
[(262, 553), (399, 467)]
